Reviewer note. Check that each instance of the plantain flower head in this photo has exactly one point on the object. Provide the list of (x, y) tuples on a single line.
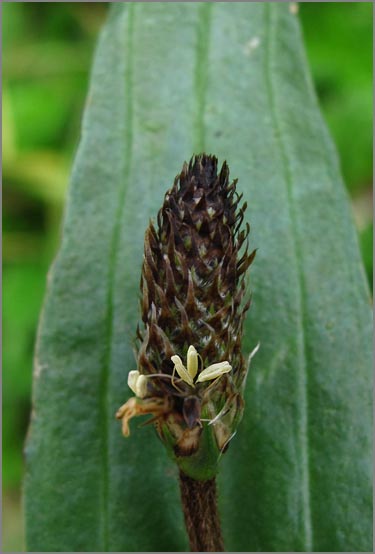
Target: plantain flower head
[(190, 367)]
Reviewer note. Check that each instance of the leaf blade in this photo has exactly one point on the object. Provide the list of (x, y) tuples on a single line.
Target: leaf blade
[(118, 497)]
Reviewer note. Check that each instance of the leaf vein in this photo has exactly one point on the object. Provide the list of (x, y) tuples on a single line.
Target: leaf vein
[(271, 26), (201, 73), (106, 411)]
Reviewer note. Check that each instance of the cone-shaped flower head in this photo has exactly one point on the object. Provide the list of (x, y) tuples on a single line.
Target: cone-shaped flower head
[(190, 366)]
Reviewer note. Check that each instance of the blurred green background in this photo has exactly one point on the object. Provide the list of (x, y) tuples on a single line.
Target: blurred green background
[(47, 53)]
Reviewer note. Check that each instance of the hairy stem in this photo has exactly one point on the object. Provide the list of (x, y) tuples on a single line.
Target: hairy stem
[(199, 503)]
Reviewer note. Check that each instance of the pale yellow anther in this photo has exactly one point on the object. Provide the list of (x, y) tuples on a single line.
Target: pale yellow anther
[(192, 361), (181, 370), (213, 371), (188, 375), (132, 380), (141, 386), (137, 383)]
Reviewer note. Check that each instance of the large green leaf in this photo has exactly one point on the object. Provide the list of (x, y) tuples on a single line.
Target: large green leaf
[(171, 79)]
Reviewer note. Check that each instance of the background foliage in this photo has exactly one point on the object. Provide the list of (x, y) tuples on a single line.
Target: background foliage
[(47, 55)]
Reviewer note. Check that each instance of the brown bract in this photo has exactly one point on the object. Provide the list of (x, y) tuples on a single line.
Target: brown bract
[(193, 285)]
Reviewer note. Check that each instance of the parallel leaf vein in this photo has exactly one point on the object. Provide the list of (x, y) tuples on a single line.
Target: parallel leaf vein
[(106, 413), (271, 27), (201, 73)]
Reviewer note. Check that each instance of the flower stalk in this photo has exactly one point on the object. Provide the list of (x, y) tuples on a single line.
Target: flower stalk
[(199, 504)]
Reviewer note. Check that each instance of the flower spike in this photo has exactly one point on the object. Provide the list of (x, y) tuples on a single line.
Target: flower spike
[(193, 308)]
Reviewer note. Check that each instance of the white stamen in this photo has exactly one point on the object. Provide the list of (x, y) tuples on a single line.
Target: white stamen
[(141, 386), (181, 370), (213, 371), (137, 383), (192, 361), (132, 380)]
